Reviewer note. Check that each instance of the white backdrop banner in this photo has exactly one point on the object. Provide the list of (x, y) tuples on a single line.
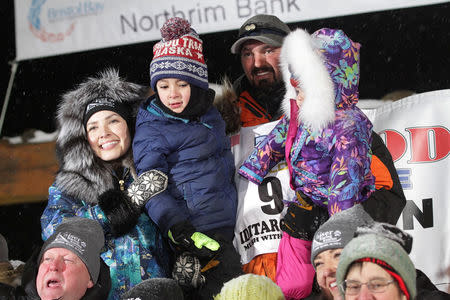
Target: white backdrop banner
[(416, 132), (53, 27)]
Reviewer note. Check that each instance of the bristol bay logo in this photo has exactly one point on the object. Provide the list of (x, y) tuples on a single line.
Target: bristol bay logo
[(56, 21)]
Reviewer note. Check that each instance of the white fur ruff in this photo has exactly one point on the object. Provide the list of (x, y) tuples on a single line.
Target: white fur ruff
[(301, 57)]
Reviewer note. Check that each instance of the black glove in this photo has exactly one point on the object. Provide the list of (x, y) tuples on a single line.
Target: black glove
[(187, 238), (149, 184), (120, 211), (302, 220)]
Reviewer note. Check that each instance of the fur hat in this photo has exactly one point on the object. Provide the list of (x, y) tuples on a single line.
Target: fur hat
[(179, 55), (250, 286), (326, 66), (226, 104), (84, 237), (339, 230), (155, 288), (264, 28), (81, 174), (8, 275), (388, 246)]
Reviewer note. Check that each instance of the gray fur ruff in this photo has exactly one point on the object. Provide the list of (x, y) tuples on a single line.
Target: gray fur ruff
[(81, 173)]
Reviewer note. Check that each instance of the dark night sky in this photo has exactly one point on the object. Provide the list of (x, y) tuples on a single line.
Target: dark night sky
[(401, 49)]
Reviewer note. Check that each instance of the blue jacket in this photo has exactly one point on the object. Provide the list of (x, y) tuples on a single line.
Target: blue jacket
[(197, 158), (132, 258)]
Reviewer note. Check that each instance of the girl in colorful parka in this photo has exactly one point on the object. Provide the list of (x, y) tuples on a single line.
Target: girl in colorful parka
[(323, 136)]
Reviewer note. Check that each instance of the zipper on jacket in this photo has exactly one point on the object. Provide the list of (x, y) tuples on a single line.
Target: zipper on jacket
[(122, 180)]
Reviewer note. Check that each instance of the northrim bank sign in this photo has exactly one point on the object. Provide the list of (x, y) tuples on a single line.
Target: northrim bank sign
[(53, 27)]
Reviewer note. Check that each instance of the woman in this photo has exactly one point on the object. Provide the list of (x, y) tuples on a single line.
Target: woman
[(327, 245), (96, 125), (376, 264)]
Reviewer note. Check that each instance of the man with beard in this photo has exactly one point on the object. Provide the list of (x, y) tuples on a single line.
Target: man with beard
[(260, 88), (260, 91)]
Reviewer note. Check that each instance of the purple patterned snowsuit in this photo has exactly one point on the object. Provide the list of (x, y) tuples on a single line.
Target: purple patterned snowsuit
[(329, 162), (326, 143)]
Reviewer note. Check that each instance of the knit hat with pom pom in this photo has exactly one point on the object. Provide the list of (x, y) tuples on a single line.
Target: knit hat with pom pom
[(179, 55)]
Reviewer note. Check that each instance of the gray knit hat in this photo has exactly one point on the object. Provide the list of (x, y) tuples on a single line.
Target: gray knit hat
[(264, 28), (82, 236), (339, 230), (378, 244)]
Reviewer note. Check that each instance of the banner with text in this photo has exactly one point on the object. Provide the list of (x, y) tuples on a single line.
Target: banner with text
[(53, 27), (416, 132)]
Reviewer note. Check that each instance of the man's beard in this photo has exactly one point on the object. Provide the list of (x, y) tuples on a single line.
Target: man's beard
[(265, 85)]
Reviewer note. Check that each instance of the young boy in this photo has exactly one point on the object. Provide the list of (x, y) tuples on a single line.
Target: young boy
[(180, 134)]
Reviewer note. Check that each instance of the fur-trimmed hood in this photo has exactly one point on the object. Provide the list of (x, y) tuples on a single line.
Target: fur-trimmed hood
[(326, 64), (81, 173)]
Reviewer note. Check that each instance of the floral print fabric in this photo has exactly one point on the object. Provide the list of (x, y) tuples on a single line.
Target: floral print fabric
[(331, 166)]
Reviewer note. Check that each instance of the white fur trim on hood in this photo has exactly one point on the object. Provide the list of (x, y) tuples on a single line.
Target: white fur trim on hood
[(300, 56)]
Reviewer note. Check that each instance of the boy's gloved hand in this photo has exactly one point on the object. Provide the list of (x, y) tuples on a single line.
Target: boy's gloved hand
[(302, 220), (187, 271), (148, 184), (185, 236)]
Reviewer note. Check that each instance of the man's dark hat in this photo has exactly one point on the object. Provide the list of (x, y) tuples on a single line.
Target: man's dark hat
[(264, 28)]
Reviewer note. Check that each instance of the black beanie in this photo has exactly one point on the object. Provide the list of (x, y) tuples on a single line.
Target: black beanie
[(99, 104), (84, 237), (155, 288)]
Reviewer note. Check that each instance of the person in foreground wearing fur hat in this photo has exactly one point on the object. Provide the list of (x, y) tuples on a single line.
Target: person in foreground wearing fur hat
[(96, 125), (324, 138), (180, 134)]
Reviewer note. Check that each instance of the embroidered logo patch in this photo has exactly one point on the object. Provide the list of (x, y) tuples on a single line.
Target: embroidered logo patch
[(71, 241)]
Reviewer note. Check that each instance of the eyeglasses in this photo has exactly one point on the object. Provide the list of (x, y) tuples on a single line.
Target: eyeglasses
[(352, 287)]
